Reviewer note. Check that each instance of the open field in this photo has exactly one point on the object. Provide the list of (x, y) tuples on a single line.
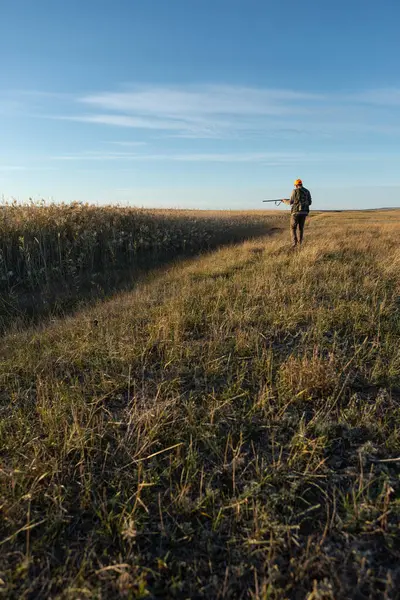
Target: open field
[(229, 428)]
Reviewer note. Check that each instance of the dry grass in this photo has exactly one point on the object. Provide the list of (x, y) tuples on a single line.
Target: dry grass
[(220, 432), (53, 256), (43, 243)]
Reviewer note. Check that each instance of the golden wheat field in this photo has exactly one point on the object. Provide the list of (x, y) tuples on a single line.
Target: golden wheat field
[(226, 426)]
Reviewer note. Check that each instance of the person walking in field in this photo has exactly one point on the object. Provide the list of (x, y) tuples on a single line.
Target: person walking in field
[(300, 201)]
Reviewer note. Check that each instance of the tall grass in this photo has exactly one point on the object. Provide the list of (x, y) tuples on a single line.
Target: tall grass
[(230, 429), (44, 244)]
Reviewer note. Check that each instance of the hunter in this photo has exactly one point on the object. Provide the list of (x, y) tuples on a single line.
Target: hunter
[(300, 201)]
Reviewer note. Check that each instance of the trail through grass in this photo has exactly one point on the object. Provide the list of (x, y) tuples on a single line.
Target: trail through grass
[(223, 431)]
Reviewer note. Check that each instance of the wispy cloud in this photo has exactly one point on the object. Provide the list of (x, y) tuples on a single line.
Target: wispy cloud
[(254, 157), (381, 97), (195, 101), (207, 111), (97, 155), (126, 121), (175, 127), (223, 111), (127, 144), (265, 158), (213, 111)]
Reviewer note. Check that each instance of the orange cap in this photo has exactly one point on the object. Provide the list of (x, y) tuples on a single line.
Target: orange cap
[(298, 182)]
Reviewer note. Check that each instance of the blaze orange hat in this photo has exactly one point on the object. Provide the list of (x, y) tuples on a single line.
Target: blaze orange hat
[(298, 182)]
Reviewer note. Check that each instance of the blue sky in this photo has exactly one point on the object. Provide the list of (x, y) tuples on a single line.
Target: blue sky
[(200, 103)]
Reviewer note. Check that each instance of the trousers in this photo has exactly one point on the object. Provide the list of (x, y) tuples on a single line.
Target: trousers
[(297, 221)]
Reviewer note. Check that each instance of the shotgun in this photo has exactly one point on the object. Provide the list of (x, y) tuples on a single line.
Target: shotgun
[(277, 202)]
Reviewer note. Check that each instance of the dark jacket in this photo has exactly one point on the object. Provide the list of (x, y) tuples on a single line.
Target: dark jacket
[(300, 201)]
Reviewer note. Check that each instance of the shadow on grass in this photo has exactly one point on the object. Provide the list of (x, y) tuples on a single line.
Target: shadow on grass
[(21, 308)]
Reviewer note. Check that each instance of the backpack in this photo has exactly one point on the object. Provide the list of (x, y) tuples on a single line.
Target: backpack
[(301, 201)]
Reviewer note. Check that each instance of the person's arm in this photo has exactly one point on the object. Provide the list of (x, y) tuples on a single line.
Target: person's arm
[(290, 200), (309, 199)]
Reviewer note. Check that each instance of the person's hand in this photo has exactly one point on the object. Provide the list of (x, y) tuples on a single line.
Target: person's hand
[(285, 200)]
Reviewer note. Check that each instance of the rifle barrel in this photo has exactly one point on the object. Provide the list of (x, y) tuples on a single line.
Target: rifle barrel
[(278, 200)]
